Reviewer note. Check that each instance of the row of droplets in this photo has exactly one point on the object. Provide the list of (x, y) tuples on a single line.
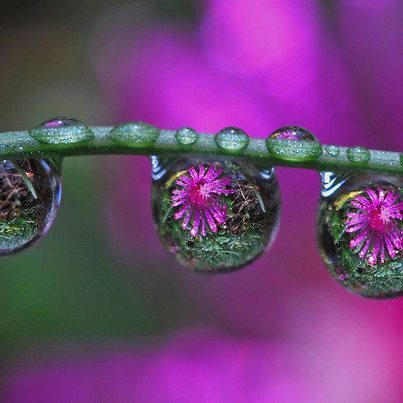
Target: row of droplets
[(280, 144), (217, 214)]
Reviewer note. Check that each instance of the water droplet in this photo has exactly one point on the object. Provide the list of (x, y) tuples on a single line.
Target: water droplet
[(332, 150), (29, 198), (214, 215), (294, 144), (358, 155), (62, 131), (135, 134), (360, 228), (232, 139), (186, 136)]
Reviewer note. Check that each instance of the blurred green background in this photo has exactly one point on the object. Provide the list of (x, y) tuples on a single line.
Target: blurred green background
[(72, 287)]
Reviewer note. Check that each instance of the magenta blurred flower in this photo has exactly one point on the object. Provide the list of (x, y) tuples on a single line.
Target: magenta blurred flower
[(199, 199), (337, 358), (258, 65), (272, 43), (375, 222), (195, 366)]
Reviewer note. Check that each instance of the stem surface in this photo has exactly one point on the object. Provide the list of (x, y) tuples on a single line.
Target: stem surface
[(20, 144)]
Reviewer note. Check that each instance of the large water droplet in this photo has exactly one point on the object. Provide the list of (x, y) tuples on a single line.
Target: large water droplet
[(136, 134), (62, 130), (294, 144), (29, 198), (232, 139), (360, 232), (214, 215), (186, 136)]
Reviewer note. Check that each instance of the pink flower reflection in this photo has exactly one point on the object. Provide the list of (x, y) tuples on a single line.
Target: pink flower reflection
[(375, 224), (199, 198)]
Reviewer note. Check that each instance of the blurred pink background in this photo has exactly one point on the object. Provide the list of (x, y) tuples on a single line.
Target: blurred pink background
[(281, 329)]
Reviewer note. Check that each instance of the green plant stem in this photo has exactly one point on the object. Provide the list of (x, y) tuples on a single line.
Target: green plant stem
[(21, 145)]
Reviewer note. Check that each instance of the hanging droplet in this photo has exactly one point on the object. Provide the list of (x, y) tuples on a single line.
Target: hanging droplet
[(29, 198), (360, 232), (214, 215), (232, 139), (294, 144), (186, 136), (136, 134), (62, 130), (358, 155)]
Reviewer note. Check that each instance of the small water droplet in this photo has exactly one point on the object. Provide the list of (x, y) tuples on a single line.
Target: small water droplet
[(62, 130), (360, 224), (186, 136), (232, 139), (294, 144), (332, 150), (358, 155), (135, 134), (29, 198), (214, 215)]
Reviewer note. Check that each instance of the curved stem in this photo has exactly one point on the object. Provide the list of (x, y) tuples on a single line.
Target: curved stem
[(21, 145)]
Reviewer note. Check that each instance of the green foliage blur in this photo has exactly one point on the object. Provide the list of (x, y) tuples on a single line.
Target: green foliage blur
[(72, 286)]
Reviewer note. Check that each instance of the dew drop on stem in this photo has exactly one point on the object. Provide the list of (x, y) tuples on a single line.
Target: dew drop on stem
[(214, 215), (292, 143), (360, 232), (29, 199), (62, 131)]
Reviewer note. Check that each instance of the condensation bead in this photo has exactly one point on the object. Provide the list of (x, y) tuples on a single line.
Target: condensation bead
[(214, 215), (29, 199), (62, 130), (186, 136), (294, 144), (136, 134), (360, 232), (332, 150), (358, 155), (232, 139)]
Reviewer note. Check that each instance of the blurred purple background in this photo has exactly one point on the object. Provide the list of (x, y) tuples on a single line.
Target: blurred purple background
[(279, 330)]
